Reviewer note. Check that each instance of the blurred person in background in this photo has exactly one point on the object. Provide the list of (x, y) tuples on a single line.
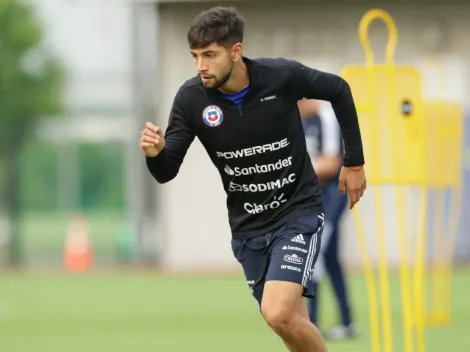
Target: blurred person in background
[(325, 147)]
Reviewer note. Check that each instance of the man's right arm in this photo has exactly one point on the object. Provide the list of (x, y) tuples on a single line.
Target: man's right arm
[(178, 137)]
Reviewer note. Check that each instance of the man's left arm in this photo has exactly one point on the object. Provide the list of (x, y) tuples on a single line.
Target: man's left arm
[(314, 84), (309, 83)]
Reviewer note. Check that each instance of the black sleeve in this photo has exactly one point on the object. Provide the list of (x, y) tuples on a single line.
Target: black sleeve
[(314, 84), (178, 137)]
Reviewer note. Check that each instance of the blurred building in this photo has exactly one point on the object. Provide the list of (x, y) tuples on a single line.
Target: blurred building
[(128, 58), (86, 151), (93, 38)]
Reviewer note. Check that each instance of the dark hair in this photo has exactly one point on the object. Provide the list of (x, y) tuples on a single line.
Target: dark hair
[(221, 25)]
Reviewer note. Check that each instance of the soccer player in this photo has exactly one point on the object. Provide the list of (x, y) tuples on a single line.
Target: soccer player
[(325, 148), (244, 111)]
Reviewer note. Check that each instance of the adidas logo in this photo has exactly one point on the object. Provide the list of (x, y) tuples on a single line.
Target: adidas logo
[(298, 239)]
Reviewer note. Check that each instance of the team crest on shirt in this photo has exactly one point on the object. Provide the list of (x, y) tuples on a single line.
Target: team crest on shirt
[(213, 116)]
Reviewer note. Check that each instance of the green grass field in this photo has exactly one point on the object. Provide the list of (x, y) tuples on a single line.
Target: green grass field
[(140, 312)]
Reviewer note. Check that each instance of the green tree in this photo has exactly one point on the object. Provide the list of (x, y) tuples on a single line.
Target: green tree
[(31, 82)]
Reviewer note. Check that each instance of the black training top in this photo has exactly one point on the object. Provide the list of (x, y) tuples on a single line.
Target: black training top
[(260, 150)]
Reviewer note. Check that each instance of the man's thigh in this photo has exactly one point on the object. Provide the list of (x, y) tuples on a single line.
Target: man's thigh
[(294, 251), (253, 256)]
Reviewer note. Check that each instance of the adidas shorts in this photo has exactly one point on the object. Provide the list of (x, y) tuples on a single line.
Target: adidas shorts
[(288, 253)]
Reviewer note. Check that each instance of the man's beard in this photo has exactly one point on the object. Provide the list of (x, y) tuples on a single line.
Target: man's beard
[(219, 82)]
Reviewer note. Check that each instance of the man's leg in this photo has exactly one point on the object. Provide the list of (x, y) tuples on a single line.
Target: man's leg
[(294, 251), (253, 256), (281, 309)]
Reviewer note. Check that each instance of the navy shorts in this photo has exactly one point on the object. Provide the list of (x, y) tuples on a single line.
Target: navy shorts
[(288, 254)]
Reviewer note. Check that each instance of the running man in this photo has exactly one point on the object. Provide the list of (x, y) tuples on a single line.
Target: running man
[(244, 111)]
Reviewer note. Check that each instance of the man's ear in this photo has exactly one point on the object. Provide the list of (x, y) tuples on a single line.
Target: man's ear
[(237, 51)]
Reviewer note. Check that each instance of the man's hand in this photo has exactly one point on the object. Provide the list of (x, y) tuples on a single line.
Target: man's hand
[(352, 179), (152, 140)]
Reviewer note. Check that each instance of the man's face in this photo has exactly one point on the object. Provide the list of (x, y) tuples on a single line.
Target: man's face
[(214, 64)]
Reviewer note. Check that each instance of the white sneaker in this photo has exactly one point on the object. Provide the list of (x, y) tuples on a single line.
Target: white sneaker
[(342, 332)]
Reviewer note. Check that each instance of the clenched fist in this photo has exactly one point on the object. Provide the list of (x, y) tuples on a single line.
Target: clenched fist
[(152, 140)]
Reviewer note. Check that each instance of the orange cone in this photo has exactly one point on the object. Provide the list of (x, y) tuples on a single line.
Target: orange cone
[(78, 254)]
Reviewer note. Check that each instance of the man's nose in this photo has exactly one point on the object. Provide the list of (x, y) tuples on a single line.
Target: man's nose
[(201, 66)]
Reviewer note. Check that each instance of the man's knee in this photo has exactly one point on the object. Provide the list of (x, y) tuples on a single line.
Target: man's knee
[(278, 318), (280, 304)]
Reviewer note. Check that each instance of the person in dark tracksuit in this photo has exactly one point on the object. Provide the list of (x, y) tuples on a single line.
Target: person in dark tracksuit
[(325, 147)]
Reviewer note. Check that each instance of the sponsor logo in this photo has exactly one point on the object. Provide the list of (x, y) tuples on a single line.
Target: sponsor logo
[(213, 116), (290, 267), (253, 208), (299, 239), (271, 97), (262, 187), (260, 149), (258, 169), (290, 248), (293, 258)]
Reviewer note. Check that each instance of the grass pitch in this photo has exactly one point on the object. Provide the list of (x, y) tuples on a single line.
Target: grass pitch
[(139, 312)]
